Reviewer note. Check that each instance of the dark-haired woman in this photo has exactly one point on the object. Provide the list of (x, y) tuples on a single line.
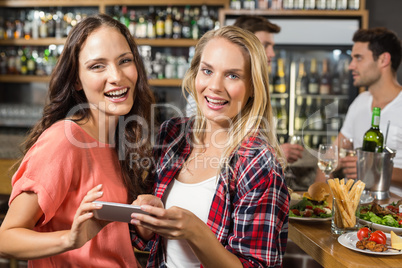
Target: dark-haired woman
[(97, 93)]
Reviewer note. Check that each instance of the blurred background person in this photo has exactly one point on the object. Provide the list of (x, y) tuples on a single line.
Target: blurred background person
[(376, 56)]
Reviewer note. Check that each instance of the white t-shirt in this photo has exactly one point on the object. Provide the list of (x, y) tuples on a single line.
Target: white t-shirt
[(191, 106), (358, 121), (197, 198)]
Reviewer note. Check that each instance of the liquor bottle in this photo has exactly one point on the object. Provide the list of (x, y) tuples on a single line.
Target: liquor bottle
[(336, 79), (300, 115), (141, 27), (24, 60), (341, 4), (302, 80), (150, 24), (310, 109), (298, 4), (316, 117), (18, 60), (354, 4), (315, 141), (279, 78), (345, 78), (331, 4), (313, 78), (235, 4), (195, 31), (31, 63), (288, 4), (58, 31), (282, 115), (168, 23), (203, 21), (373, 139), (176, 23), (262, 4), (249, 4), (3, 62), (320, 4), (2, 31), (132, 24), (124, 17), (270, 78), (325, 80), (186, 24), (160, 24), (309, 4)]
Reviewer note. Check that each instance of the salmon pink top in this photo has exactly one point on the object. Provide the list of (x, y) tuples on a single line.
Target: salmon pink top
[(61, 167)]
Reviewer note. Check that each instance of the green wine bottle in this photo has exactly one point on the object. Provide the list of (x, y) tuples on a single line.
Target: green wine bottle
[(373, 139)]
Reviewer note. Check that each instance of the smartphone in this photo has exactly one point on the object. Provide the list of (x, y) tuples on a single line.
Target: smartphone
[(116, 211)]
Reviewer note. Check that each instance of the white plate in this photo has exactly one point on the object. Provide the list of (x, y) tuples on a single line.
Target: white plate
[(349, 240), (310, 219), (381, 227)]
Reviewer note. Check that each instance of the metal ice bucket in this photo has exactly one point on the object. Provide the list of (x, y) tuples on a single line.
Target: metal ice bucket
[(375, 170)]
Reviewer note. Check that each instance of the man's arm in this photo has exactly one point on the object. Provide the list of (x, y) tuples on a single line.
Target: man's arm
[(397, 177)]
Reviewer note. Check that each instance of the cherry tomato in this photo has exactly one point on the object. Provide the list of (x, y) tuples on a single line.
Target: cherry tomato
[(400, 222), (307, 213), (378, 238), (363, 233), (381, 233), (296, 212), (318, 211), (309, 207)]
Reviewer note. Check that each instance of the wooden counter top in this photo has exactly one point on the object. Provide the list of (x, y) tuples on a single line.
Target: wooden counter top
[(318, 242)]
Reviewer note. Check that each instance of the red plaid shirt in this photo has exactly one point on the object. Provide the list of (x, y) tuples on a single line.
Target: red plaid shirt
[(249, 211)]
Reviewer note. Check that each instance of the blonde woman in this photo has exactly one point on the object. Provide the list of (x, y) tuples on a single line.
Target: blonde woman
[(224, 201)]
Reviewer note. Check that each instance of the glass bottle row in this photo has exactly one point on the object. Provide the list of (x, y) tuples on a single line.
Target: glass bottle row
[(167, 22), (313, 80), (296, 4), (16, 23), (160, 63), (150, 22), (29, 60)]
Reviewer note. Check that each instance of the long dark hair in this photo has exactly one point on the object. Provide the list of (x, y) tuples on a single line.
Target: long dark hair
[(63, 97)]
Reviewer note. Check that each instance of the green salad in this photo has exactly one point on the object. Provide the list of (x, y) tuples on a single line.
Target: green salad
[(306, 209), (388, 220)]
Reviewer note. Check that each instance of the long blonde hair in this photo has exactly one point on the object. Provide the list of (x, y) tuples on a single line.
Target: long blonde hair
[(256, 117)]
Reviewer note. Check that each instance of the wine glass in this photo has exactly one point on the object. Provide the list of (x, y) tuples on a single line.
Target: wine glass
[(327, 158), (346, 147), (295, 139)]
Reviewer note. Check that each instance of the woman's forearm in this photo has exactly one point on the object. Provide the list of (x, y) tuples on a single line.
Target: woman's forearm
[(210, 251), (21, 243)]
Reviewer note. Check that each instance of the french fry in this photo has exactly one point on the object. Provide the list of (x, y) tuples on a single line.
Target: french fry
[(347, 197), (349, 184)]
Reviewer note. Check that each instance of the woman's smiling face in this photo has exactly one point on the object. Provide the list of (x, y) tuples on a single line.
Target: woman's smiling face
[(223, 81), (107, 72)]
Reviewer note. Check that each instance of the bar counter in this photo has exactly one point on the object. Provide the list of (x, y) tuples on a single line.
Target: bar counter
[(318, 242)]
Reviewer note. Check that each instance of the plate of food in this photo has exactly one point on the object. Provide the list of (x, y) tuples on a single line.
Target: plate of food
[(366, 246), (315, 205), (382, 217)]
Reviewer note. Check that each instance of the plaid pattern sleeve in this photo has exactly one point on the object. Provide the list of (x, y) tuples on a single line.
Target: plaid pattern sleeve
[(252, 221)]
